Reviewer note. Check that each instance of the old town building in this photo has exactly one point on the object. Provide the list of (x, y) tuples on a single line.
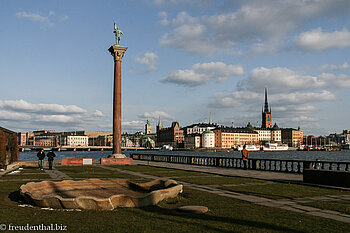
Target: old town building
[(172, 135), (227, 137)]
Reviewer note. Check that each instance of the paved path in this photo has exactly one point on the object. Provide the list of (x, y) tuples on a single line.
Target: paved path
[(290, 205), (265, 175), (56, 174)]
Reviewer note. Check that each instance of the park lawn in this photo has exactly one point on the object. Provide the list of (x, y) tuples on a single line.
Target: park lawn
[(161, 172), (225, 215), (93, 172), (342, 206), (219, 180), (284, 191)]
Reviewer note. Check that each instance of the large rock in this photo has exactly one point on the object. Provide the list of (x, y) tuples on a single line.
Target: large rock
[(98, 194)]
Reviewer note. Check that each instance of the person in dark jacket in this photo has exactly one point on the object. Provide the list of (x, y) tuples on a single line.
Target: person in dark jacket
[(41, 156), (50, 157)]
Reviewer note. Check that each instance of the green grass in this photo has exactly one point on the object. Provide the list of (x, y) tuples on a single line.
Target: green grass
[(284, 191), (342, 206), (218, 180), (93, 172), (225, 215)]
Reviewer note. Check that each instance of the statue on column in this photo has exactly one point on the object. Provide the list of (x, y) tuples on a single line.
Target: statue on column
[(118, 33)]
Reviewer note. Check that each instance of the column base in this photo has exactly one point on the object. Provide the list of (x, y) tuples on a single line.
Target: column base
[(116, 161), (117, 156)]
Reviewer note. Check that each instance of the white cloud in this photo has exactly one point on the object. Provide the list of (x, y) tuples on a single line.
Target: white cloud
[(13, 116), (261, 24), (133, 125), (327, 67), (280, 79), (317, 40), (163, 18), (148, 59), (57, 119), (156, 115), (98, 113), (200, 74), (24, 106), (43, 20)]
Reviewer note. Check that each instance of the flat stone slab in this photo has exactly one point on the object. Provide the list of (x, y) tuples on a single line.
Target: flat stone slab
[(194, 209), (98, 194)]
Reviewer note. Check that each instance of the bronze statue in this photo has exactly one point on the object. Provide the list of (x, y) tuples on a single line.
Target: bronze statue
[(117, 33)]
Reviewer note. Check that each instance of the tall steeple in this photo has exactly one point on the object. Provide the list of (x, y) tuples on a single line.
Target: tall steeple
[(266, 107), (266, 122)]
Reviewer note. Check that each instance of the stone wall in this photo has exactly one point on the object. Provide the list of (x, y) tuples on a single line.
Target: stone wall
[(9, 151)]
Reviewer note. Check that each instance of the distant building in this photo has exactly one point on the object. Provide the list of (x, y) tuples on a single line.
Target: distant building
[(148, 128), (172, 135), (292, 137), (73, 141), (227, 137), (268, 135), (198, 128), (192, 141), (208, 139)]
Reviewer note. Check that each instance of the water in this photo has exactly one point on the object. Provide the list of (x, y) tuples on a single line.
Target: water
[(338, 156)]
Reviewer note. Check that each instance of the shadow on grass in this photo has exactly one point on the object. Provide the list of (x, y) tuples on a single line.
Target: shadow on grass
[(205, 220)]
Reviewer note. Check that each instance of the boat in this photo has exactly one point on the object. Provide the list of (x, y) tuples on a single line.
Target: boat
[(166, 147), (274, 147), (249, 148)]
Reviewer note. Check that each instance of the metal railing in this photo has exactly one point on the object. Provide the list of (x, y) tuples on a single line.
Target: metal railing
[(275, 165)]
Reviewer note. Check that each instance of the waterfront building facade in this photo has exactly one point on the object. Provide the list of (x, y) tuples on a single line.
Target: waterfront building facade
[(292, 137), (74, 141), (208, 139), (227, 137), (192, 141), (198, 128), (172, 135)]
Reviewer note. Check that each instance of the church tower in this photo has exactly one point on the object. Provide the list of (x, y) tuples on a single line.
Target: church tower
[(148, 127), (266, 122)]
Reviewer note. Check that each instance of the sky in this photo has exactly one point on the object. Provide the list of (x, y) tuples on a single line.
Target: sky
[(185, 60)]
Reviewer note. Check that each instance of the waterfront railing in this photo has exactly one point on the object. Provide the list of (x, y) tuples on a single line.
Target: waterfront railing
[(275, 165)]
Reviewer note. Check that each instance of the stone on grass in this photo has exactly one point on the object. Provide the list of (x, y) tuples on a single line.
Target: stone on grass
[(194, 209), (98, 194)]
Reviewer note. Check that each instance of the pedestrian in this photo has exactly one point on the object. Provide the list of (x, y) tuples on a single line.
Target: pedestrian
[(41, 156), (245, 155), (50, 157)]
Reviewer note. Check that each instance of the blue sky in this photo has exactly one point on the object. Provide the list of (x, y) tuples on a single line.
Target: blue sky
[(184, 61)]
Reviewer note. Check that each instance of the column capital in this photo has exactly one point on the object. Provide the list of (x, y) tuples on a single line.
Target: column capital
[(117, 52)]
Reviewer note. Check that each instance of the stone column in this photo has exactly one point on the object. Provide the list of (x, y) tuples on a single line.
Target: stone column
[(117, 52)]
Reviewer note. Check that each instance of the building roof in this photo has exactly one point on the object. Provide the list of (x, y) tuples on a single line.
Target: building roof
[(236, 130), (6, 130)]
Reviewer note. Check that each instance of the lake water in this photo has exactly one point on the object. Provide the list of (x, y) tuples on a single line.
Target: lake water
[(340, 156)]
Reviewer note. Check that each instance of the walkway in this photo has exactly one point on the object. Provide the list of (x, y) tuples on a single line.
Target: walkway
[(264, 175), (290, 205)]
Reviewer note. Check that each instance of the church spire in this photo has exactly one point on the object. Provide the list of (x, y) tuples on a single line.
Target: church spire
[(266, 107)]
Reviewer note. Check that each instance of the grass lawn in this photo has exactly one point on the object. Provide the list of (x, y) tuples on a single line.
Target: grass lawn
[(225, 215), (26, 173), (93, 172), (340, 206), (219, 180), (284, 191)]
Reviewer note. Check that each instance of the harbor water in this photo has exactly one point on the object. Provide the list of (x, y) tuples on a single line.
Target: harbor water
[(338, 156)]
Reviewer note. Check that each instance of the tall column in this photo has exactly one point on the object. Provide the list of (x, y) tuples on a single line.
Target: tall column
[(117, 52)]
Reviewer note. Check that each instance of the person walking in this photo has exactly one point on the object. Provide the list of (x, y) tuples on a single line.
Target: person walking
[(50, 157), (41, 156), (245, 155)]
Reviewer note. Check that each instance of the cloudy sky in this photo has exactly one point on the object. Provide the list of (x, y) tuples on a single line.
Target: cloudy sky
[(185, 60)]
